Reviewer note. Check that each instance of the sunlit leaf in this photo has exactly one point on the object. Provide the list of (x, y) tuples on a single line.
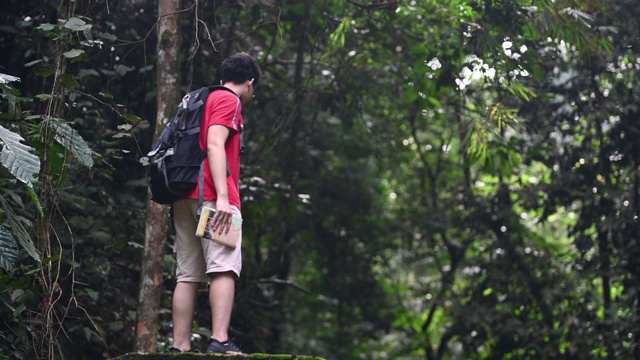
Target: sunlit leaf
[(5, 79), (339, 35), (17, 157)]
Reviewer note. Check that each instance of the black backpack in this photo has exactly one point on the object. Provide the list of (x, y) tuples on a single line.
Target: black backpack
[(176, 157)]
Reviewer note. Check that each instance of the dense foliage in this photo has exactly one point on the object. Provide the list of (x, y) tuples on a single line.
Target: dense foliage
[(425, 179)]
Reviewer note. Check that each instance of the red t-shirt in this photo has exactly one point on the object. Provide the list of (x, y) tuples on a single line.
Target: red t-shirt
[(223, 108)]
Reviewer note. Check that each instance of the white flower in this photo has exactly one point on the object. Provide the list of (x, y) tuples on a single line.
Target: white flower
[(466, 72), (434, 64)]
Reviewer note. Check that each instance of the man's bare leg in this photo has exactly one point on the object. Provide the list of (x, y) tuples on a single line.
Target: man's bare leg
[(221, 295), (184, 304)]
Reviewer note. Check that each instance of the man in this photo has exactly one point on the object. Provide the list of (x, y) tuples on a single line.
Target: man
[(198, 260)]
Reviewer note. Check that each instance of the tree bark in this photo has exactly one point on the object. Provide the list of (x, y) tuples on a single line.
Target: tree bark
[(168, 94)]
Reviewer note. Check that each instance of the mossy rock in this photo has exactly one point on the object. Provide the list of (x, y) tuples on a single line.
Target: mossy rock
[(196, 356)]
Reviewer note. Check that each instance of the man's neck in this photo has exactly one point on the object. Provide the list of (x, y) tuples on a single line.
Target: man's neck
[(237, 89)]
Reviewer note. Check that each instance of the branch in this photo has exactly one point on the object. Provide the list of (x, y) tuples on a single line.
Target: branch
[(391, 5), (285, 282)]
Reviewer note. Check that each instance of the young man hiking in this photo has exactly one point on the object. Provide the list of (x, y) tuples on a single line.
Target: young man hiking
[(198, 260)]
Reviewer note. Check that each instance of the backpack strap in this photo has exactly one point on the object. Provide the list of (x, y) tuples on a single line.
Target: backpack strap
[(200, 190)]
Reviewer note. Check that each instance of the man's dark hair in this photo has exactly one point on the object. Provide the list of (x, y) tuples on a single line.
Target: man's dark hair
[(240, 68)]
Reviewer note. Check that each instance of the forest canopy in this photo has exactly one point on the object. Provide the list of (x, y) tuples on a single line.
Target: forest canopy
[(424, 179)]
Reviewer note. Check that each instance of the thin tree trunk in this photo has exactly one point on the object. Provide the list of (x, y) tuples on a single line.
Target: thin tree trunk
[(168, 90)]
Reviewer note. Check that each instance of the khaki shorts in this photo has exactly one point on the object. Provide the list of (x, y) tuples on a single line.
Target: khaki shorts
[(195, 257)]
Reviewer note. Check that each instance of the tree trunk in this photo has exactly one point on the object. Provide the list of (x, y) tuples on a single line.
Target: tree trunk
[(168, 90)]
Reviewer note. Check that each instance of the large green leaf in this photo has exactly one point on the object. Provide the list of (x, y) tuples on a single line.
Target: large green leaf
[(72, 141), (76, 24), (18, 230), (17, 157), (8, 249)]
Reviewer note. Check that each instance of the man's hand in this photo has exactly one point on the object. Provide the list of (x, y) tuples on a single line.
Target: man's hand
[(216, 137), (222, 218)]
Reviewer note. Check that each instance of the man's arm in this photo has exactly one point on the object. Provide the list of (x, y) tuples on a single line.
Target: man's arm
[(216, 156)]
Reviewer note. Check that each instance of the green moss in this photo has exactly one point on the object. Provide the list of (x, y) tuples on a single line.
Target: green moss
[(193, 356)]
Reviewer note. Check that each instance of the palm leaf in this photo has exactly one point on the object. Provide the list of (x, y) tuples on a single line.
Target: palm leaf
[(18, 158), (8, 249)]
